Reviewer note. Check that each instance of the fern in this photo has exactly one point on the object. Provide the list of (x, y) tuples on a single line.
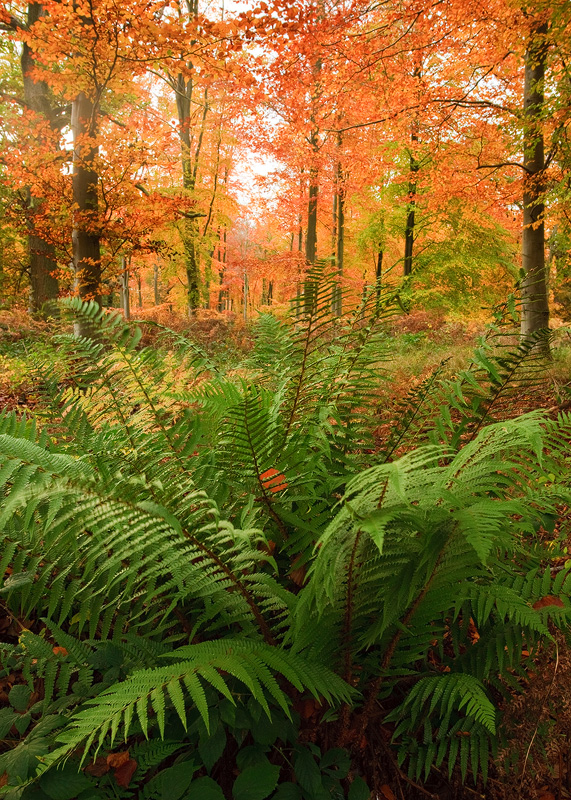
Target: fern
[(227, 552)]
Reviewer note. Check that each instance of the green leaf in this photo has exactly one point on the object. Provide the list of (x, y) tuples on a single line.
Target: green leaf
[(212, 747), (17, 580), (307, 771), (175, 780), (375, 525), (359, 790), (162, 512), (256, 783), (204, 789), (251, 755), (19, 697), (22, 722), (336, 762), (288, 791), (65, 783), (7, 719)]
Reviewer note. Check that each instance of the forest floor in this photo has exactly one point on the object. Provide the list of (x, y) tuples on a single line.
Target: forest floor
[(539, 720)]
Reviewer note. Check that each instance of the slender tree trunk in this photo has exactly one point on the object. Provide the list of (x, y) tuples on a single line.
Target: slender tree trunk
[(125, 295), (311, 235), (85, 234), (379, 274), (411, 199), (156, 284), (192, 264), (411, 212), (535, 305), (223, 295), (43, 283), (339, 238), (313, 195), (184, 89)]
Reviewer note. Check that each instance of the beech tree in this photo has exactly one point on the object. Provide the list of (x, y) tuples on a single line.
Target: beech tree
[(37, 98)]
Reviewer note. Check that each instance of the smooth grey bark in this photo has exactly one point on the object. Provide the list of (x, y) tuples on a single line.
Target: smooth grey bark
[(339, 227), (313, 193), (41, 253), (156, 284), (184, 89), (534, 291), (311, 235), (85, 233), (125, 294)]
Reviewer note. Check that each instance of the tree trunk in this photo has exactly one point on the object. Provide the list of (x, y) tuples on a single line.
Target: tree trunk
[(125, 295), (379, 274), (192, 265), (339, 240), (411, 199), (534, 294), (311, 236), (189, 161), (85, 234), (411, 211), (156, 284), (43, 283)]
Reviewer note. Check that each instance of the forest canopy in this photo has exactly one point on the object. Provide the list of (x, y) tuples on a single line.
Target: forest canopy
[(204, 156)]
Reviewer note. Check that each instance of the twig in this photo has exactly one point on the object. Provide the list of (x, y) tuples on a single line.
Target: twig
[(539, 719), (404, 776)]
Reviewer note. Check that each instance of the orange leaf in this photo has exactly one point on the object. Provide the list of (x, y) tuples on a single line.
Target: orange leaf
[(387, 792), (60, 651), (273, 480), (116, 760), (549, 600), (125, 772)]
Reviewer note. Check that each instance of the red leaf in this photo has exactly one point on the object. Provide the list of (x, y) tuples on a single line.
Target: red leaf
[(125, 772), (549, 600), (116, 760), (273, 480), (98, 768)]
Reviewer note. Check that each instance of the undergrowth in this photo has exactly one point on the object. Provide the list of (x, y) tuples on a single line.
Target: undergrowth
[(222, 585)]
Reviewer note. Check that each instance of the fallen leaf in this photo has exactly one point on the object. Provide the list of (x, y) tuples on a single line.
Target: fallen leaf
[(98, 768), (387, 792), (116, 760), (549, 600), (125, 772), (60, 651), (547, 796)]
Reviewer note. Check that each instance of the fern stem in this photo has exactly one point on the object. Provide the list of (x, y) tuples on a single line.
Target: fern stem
[(262, 624), (155, 412), (268, 503), (300, 377), (389, 652)]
